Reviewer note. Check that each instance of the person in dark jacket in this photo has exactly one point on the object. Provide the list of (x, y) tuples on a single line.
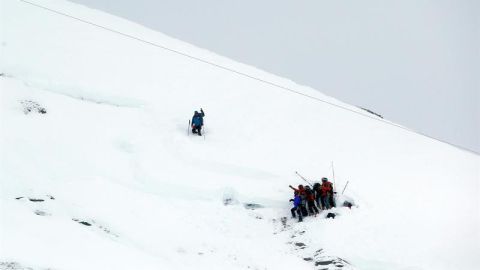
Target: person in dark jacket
[(297, 201), (310, 195), (197, 122), (318, 198)]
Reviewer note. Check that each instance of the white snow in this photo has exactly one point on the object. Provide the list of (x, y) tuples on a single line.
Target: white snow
[(113, 151)]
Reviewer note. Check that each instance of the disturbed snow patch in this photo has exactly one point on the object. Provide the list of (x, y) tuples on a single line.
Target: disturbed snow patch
[(17, 266), (42, 210), (320, 259), (30, 106)]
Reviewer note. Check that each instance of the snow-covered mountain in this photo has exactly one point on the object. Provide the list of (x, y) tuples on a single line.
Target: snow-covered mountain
[(106, 176)]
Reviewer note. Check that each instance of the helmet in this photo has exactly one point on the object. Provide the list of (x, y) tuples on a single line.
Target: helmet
[(324, 179)]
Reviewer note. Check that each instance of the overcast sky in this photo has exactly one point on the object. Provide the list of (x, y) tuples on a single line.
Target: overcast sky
[(416, 62)]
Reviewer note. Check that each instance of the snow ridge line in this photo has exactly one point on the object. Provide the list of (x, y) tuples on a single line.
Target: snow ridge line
[(105, 100), (247, 75)]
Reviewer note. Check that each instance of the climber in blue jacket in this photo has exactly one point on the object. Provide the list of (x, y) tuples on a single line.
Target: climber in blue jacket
[(297, 203), (197, 122)]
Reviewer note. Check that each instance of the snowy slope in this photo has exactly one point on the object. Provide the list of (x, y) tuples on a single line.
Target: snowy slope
[(113, 151)]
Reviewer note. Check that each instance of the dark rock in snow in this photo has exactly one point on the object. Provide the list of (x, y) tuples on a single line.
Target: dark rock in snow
[(107, 230), (94, 224), (347, 204), (317, 263), (36, 199), (32, 106), (283, 220), (252, 206), (82, 222), (331, 215), (330, 262), (13, 266), (228, 201), (40, 213), (229, 197), (372, 112)]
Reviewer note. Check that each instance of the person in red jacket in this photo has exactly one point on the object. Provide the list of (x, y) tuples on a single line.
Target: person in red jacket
[(310, 194), (331, 195), (326, 191), (300, 189)]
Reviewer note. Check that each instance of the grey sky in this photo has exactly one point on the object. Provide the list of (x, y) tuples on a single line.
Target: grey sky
[(417, 62)]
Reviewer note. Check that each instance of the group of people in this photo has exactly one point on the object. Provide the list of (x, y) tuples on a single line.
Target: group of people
[(308, 200)]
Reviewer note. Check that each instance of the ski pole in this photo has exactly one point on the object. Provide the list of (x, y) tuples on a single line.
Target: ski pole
[(304, 178), (188, 128), (345, 187), (333, 176)]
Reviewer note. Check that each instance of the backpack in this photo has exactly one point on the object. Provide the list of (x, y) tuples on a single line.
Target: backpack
[(197, 121)]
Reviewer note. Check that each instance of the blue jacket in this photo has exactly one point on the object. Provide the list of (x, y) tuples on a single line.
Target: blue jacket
[(197, 119), (297, 201)]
